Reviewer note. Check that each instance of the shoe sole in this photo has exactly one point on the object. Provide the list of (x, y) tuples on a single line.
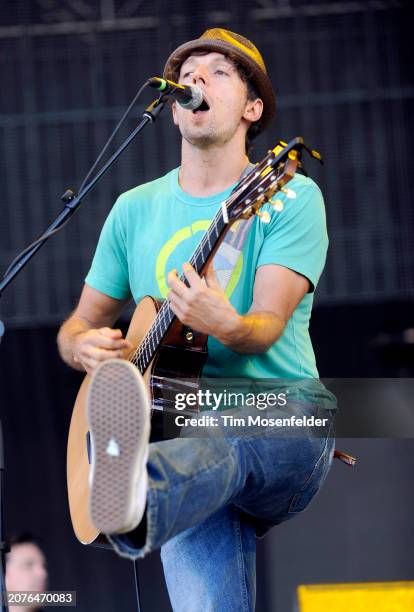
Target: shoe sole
[(118, 409)]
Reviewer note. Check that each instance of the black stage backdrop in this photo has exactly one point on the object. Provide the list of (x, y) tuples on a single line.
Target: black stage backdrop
[(341, 72)]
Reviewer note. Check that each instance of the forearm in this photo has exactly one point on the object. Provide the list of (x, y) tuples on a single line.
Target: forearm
[(253, 333), (66, 339)]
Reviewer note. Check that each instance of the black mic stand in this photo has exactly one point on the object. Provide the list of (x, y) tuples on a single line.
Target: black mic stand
[(3, 544), (71, 204)]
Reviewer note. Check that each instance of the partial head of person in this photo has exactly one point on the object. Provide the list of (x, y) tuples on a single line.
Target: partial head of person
[(25, 565), (238, 94)]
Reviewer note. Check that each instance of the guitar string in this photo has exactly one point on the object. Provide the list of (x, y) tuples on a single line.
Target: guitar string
[(162, 314), (146, 347), (165, 311)]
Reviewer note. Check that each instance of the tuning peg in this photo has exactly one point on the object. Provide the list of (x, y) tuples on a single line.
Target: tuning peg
[(263, 215), (277, 205), (289, 193)]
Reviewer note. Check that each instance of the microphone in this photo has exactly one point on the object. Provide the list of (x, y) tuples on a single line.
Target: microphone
[(188, 96)]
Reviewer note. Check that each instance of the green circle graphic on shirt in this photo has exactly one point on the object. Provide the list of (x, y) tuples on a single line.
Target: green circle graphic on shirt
[(169, 247)]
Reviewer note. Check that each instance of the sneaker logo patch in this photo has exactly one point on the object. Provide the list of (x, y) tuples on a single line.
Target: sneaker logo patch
[(113, 448)]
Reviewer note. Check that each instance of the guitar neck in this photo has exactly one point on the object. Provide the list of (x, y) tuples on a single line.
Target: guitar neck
[(202, 255)]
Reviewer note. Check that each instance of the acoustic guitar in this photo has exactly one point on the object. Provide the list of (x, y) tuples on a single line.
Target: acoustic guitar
[(166, 350)]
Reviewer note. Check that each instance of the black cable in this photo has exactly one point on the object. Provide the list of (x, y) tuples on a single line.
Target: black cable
[(50, 233), (137, 584), (112, 136)]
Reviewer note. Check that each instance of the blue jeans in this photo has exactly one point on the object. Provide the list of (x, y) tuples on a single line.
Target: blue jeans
[(209, 497)]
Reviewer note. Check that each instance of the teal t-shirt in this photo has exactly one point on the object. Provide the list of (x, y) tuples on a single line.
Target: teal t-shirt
[(156, 227)]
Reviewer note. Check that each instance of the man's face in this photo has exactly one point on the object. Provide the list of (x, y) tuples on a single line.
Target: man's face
[(26, 568), (225, 94)]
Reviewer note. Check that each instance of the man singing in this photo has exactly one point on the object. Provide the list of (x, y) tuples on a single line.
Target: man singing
[(204, 500)]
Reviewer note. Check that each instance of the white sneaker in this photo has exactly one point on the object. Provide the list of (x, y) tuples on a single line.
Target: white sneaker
[(118, 410)]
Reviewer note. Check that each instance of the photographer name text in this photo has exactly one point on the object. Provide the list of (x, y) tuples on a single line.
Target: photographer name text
[(228, 420)]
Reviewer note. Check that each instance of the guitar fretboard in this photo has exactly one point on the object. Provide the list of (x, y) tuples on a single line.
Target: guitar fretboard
[(165, 316)]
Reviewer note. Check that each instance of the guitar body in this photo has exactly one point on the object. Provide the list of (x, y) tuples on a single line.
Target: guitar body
[(181, 354)]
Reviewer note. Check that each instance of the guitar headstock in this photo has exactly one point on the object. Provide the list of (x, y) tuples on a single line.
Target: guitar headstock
[(268, 178)]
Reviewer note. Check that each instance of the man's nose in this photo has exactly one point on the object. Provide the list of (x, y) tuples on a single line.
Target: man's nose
[(200, 74)]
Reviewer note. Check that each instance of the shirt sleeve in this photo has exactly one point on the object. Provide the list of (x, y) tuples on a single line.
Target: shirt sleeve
[(109, 269), (296, 237)]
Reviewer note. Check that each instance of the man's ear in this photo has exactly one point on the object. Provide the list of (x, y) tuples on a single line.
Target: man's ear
[(174, 112), (253, 110)]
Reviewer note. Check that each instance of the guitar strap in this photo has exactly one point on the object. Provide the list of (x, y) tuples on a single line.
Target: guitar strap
[(228, 256)]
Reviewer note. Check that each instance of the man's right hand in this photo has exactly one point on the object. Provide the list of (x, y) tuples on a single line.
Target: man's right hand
[(96, 345)]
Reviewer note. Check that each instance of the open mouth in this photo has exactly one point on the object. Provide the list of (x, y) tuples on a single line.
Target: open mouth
[(202, 108)]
